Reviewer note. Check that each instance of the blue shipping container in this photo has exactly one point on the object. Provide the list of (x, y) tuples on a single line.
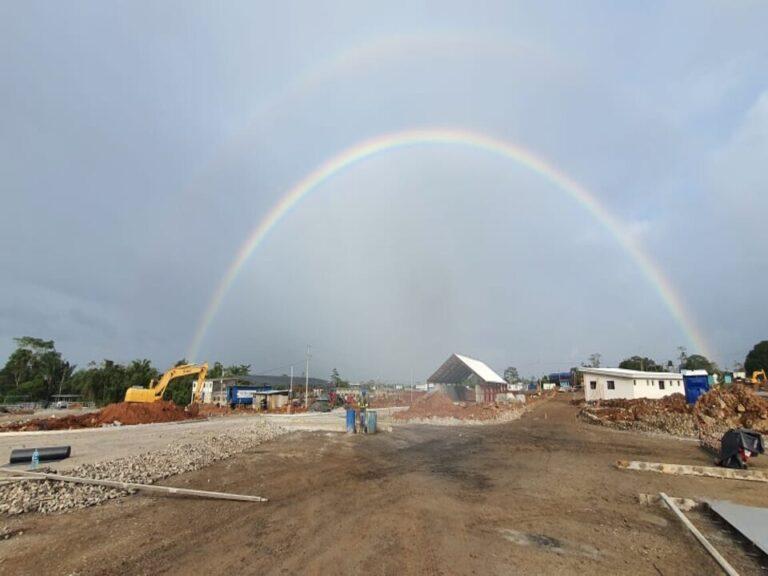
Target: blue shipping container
[(243, 394), (695, 386)]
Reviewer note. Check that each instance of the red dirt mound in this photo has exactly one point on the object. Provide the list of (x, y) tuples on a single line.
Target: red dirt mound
[(140, 413), (403, 399), (127, 413)]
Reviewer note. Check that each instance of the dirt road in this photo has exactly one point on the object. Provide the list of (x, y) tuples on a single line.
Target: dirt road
[(535, 496)]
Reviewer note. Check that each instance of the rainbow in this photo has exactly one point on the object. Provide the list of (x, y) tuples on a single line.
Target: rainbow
[(397, 140)]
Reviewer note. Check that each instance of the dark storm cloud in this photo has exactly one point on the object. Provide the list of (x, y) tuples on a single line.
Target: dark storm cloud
[(140, 144)]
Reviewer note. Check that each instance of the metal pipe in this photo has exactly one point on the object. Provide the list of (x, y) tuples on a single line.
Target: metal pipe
[(135, 486), (727, 568)]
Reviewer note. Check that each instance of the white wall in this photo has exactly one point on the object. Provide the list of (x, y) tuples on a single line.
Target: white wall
[(629, 388), (651, 389)]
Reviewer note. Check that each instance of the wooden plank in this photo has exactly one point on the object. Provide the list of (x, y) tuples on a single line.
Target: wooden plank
[(134, 486), (727, 568), (688, 470)]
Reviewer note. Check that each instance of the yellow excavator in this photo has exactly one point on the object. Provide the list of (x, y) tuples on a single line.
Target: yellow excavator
[(758, 378), (157, 387)]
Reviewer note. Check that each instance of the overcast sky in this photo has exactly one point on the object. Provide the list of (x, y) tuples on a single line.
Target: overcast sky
[(141, 142)]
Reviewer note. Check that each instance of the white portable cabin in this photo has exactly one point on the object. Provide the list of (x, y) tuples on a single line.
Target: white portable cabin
[(620, 383)]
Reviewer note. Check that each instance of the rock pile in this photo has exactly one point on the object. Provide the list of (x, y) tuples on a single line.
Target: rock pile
[(721, 409), (713, 414), (51, 496), (670, 415)]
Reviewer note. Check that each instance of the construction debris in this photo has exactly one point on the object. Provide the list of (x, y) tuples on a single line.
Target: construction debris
[(670, 415), (685, 504), (709, 419), (688, 470), (721, 409), (121, 413), (47, 496)]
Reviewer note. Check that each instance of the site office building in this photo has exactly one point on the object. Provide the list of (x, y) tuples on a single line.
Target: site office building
[(620, 383)]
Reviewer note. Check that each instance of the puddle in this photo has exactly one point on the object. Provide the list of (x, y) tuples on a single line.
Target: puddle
[(549, 543)]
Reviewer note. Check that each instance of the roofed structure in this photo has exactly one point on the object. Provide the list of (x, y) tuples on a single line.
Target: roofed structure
[(458, 369)]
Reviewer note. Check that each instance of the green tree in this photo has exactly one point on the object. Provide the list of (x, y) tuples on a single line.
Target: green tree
[(757, 359), (34, 371), (237, 370), (180, 389), (336, 381), (511, 375), (107, 382), (217, 371), (641, 363), (699, 362)]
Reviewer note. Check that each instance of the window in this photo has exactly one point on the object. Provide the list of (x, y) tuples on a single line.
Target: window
[(593, 385), (611, 385), (661, 384)]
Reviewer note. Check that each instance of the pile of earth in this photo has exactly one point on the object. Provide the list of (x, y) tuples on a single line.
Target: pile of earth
[(721, 409), (125, 413), (437, 405), (713, 414), (392, 400), (671, 415)]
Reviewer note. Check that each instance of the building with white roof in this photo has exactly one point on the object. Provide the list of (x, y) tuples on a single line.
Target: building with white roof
[(620, 383), (466, 371)]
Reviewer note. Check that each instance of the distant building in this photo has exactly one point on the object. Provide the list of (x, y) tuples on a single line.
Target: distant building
[(217, 390), (463, 371), (620, 383), (561, 379)]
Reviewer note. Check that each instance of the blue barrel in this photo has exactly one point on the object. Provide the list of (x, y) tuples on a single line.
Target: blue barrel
[(695, 386), (371, 422), (350, 420)]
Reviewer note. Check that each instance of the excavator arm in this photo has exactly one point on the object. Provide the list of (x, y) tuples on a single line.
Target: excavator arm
[(157, 389)]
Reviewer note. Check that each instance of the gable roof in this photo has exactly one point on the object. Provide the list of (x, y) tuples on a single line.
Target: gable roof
[(458, 368)]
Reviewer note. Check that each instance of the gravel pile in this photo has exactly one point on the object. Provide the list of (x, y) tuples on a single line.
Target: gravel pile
[(47, 496)]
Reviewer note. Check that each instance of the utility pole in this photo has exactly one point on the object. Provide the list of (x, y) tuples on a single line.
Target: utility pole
[(290, 394), (306, 381)]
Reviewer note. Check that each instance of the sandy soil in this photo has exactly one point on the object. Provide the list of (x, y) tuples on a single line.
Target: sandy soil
[(536, 496)]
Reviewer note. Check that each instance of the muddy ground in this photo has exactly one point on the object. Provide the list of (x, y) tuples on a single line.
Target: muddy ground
[(535, 496)]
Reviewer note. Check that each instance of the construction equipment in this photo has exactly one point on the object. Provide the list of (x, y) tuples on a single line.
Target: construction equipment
[(157, 387), (758, 378)]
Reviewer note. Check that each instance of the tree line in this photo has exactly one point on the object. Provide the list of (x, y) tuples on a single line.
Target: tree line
[(36, 372)]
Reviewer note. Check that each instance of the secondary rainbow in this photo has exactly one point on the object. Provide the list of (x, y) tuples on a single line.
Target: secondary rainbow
[(456, 137)]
